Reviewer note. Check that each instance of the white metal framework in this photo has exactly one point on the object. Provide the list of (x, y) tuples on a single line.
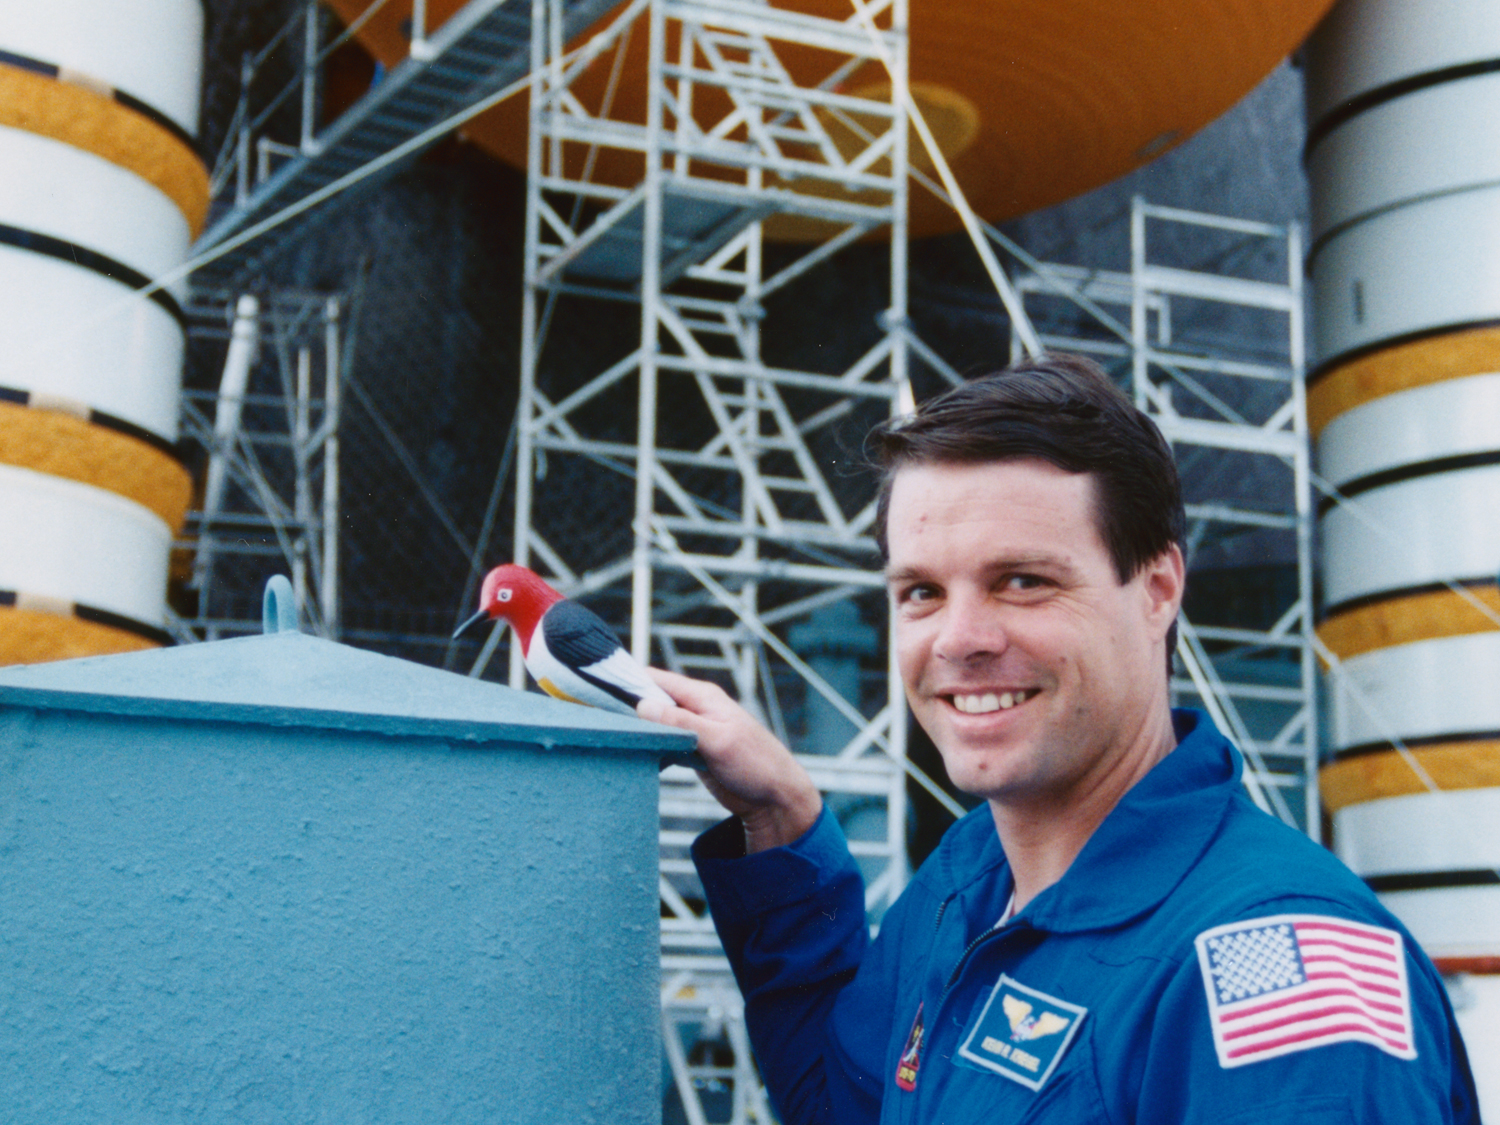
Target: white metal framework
[(1235, 414), (1265, 432), (731, 523), (271, 432), (264, 187)]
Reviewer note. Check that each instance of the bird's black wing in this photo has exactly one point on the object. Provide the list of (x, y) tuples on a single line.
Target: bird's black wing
[(577, 636)]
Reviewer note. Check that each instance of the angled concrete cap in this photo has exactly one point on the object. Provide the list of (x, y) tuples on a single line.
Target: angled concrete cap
[(292, 679)]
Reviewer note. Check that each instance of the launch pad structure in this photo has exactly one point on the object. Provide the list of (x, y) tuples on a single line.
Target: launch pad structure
[(737, 522)]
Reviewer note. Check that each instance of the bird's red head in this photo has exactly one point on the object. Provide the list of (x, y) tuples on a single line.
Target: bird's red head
[(516, 594)]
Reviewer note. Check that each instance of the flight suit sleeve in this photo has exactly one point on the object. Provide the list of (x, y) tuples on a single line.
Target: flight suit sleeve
[(792, 921), (1256, 1025)]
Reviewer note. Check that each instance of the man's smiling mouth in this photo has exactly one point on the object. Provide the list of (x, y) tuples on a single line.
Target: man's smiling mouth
[(986, 702)]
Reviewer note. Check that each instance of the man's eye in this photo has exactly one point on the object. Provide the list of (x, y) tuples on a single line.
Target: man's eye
[(1024, 582), (919, 593)]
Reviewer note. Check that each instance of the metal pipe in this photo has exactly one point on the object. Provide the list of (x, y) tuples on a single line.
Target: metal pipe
[(242, 142), (332, 381), (526, 425), (311, 28), (421, 49), (244, 341), (651, 317)]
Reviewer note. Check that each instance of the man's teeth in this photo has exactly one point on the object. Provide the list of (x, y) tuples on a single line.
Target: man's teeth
[(984, 704)]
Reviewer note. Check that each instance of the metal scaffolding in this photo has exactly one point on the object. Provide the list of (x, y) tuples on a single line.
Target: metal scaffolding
[(271, 435), (264, 186), (732, 524), (1233, 408)]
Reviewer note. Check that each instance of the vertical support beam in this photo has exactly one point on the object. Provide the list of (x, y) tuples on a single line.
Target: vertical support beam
[(302, 487), (421, 49), (242, 134), (903, 402), (645, 439), (1297, 346), (1138, 310), (311, 25), (333, 367), (536, 165)]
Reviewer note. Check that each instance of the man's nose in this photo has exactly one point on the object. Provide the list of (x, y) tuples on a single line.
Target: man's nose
[(973, 628)]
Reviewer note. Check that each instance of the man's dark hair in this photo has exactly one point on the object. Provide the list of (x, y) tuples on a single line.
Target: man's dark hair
[(1059, 408)]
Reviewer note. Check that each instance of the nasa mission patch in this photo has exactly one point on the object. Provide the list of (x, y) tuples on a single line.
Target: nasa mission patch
[(1021, 1033)]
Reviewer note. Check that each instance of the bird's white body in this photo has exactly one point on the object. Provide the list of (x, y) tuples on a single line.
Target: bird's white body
[(618, 668)]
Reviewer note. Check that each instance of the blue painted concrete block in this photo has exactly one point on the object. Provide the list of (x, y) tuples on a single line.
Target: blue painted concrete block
[(281, 880)]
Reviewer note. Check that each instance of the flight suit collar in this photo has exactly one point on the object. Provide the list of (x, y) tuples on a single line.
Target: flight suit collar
[(1151, 840)]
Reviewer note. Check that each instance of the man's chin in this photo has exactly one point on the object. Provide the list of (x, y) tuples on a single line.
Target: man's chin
[(986, 773)]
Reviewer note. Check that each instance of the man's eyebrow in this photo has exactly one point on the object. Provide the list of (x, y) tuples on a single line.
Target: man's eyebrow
[(1049, 562), (902, 573), (1042, 561)]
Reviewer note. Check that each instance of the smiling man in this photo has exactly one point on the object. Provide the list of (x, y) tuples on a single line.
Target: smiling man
[(1117, 934)]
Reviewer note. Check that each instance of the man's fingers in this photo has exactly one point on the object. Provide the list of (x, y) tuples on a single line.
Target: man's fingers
[(725, 730), (749, 772), (698, 696), (654, 710), (683, 718)]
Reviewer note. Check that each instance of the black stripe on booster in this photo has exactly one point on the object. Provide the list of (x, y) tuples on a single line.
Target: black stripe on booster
[(1400, 473), (77, 255), (120, 621), (1396, 593), (1433, 880), (1354, 106), (104, 617), (140, 433), (1385, 747), (1332, 363), (109, 422), (120, 97)]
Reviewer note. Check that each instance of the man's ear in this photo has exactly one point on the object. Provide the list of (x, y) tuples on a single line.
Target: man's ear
[(1163, 580)]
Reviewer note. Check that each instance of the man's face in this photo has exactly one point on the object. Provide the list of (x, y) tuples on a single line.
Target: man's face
[(1035, 671)]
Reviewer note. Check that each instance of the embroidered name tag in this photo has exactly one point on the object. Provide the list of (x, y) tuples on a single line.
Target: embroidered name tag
[(1022, 1033)]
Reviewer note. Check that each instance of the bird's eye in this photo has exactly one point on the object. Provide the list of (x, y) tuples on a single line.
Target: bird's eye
[(503, 595)]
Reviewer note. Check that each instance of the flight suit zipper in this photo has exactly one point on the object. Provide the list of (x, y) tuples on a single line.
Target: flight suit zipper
[(958, 968), (932, 1022), (963, 957)]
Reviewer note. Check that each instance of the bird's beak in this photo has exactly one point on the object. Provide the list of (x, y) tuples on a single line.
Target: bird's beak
[(469, 624)]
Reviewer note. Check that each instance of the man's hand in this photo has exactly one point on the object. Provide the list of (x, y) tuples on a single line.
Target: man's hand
[(750, 773)]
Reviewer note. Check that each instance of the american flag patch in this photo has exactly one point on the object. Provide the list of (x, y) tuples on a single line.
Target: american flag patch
[(1294, 981)]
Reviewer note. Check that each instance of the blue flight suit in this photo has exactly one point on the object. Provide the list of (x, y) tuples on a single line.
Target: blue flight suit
[(1093, 1004)]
